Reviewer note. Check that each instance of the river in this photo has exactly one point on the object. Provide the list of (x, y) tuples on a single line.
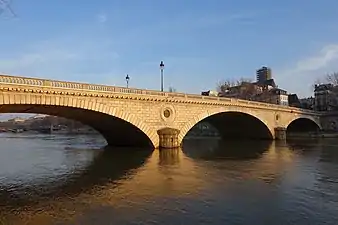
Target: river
[(55, 179)]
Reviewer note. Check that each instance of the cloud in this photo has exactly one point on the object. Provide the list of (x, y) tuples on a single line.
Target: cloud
[(211, 20), (34, 58), (185, 26), (216, 20), (62, 59), (326, 56), (102, 18), (300, 77)]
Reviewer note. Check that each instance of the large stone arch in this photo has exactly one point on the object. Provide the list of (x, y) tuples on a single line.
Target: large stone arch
[(74, 102), (196, 119)]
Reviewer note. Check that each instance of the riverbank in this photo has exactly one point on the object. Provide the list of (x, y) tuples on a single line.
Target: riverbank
[(314, 135), (49, 131)]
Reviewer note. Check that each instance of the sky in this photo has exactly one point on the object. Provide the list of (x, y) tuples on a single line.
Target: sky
[(200, 42)]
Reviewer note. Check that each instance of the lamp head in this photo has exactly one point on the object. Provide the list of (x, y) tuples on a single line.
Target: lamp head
[(161, 65)]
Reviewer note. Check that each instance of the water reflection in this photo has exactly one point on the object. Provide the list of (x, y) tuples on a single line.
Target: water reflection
[(169, 156), (304, 146), (216, 149), (205, 182), (107, 166)]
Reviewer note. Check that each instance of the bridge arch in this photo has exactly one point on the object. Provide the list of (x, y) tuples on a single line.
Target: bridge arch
[(260, 123), (101, 116), (302, 124)]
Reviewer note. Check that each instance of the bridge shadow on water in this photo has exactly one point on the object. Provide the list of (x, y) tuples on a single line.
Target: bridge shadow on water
[(303, 144), (110, 165), (220, 149), (326, 148)]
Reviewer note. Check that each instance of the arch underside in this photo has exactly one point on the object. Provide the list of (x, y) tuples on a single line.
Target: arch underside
[(116, 131), (238, 125), (302, 125)]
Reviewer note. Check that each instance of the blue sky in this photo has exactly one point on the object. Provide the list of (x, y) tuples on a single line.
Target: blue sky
[(200, 42)]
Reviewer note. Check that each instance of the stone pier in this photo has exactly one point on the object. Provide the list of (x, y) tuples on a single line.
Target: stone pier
[(280, 133), (168, 138)]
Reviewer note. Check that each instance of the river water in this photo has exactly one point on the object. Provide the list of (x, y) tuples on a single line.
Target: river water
[(49, 179)]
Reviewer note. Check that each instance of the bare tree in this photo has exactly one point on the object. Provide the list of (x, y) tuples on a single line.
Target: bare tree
[(246, 89), (243, 80), (224, 85), (332, 78)]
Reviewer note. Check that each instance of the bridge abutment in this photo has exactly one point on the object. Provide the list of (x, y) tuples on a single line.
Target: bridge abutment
[(168, 138), (280, 133)]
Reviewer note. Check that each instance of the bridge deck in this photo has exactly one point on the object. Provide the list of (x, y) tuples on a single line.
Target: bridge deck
[(55, 84)]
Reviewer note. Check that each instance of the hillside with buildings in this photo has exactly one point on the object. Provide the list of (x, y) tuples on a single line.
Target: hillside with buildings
[(264, 89)]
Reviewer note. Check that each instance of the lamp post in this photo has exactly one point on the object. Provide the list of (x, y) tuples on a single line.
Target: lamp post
[(162, 68), (127, 80)]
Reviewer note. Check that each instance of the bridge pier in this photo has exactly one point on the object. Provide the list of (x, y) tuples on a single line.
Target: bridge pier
[(168, 138), (280, 133)]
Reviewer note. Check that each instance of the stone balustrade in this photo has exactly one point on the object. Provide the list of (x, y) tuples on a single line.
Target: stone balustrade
[(8, 79)]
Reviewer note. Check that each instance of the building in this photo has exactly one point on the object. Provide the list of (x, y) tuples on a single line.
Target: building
[(307, 103), (326, 97), (293, 100), (274, 96), (258, 92), (246, 91), (263, 90), (263, 74)]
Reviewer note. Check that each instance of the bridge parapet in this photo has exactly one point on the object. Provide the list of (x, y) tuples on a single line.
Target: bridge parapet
[(106, 91)]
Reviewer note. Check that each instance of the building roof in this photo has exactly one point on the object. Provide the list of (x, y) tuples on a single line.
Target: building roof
[(323, 87), (278, 91), (293, 98)]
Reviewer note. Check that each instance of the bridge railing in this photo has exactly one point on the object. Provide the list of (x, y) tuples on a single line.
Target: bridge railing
[(8, 79)]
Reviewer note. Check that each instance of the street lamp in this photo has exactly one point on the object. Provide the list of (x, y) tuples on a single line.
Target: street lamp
[(162, 68), (127, 80)]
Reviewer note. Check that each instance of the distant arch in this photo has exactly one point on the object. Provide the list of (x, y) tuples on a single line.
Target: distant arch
[(209, 114), (303, 124)]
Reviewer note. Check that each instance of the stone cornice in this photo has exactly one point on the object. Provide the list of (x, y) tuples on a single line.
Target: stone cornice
[(30, 85)]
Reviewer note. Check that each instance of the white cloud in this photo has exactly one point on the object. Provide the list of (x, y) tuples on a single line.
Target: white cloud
[(59, 59), (298, 78), (326, 56), (25, 60), (183, 24), (102, 18)]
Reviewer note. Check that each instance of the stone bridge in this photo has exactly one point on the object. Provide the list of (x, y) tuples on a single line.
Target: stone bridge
[(137, 117)]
